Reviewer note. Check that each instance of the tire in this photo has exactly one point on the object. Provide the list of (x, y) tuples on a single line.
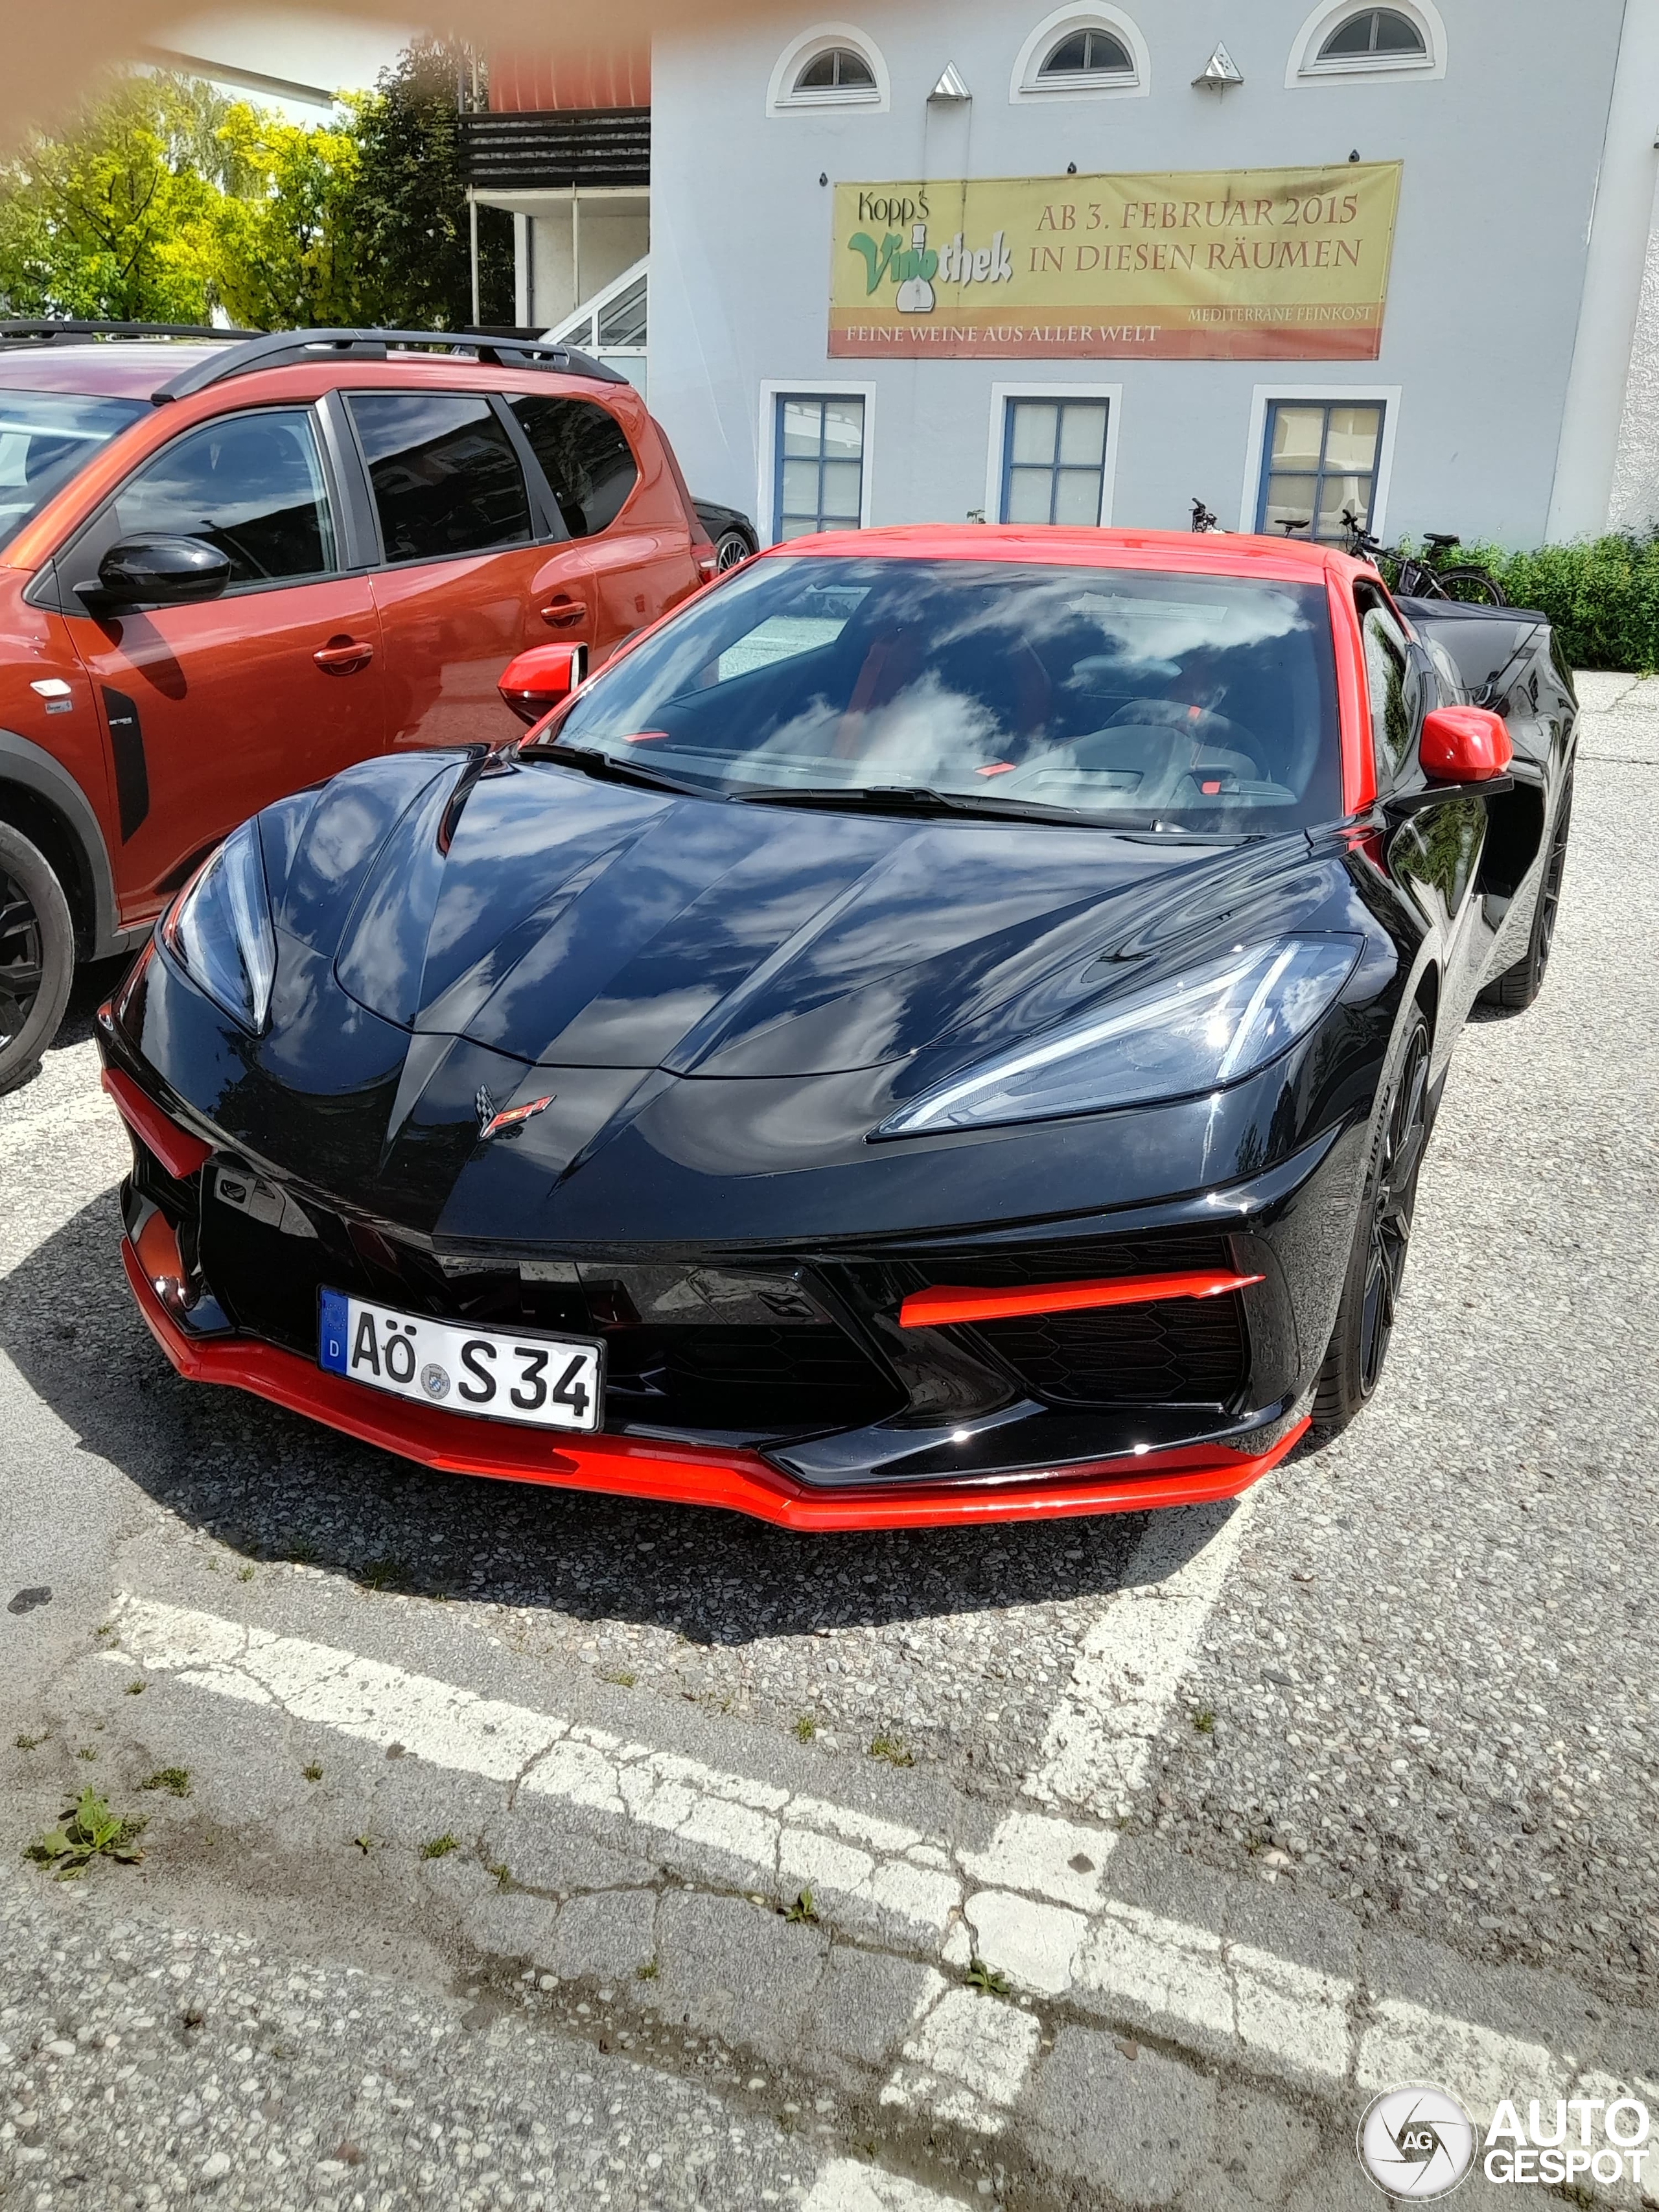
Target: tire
[(732, 549), (1477, 588), (1514, 991), (1371, 1290), (37, 957)]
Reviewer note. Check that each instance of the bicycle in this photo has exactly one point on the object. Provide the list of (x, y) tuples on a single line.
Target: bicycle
[(1420, 579)]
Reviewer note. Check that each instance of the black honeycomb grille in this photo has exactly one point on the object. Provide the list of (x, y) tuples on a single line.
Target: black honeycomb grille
[(1183, 1351)]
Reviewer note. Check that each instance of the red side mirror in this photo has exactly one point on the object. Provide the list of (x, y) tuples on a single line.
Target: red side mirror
[(542, 679), (1464, 744)]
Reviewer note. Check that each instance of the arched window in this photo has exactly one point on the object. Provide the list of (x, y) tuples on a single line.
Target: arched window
[(833, 66), (1382, 33), (1084, 52), (1340, 39), (1089, 53), (837, 70)]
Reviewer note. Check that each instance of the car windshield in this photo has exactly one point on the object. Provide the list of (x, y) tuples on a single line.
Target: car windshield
[(47, 437), (1143, 698)]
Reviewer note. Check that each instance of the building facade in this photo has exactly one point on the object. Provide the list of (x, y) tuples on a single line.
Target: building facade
[(1094, 263)]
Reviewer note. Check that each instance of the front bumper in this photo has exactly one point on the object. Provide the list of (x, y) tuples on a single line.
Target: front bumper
[(970, 1432)]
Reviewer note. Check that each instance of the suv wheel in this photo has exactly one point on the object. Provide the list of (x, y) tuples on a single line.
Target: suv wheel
[(37, 956), (731, 549)]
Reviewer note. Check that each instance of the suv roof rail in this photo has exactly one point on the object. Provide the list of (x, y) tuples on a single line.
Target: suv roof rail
[(55, 329), (283, 349)]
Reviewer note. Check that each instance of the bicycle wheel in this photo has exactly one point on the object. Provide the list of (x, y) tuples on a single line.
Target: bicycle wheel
[(1473, 586)]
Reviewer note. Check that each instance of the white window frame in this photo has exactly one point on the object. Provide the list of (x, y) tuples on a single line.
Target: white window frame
[(774, 388), (1026, 84), (782, 98), (1305, 68), (1320, 395), (1002, 394)]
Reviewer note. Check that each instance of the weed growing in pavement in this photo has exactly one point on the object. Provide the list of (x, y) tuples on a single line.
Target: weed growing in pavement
[(301, 1555), (806, 1728), (891, 1748), (647, 1973), (623, 1677), (30, 1743), (175, 1780), (87, 1831), (377, 1574), (136, 1689), (503, 1874), (87, 1752), (244, 1574), (313, 1773), (803, 1909), (1204, 1720), (365, 1843), (439, 1847), (986, 1980), (102, 1635)]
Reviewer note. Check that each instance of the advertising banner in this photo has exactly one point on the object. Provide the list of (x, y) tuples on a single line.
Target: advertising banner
[(1223, 265)]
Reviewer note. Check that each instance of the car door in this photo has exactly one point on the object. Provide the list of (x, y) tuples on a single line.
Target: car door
[(1434, 851), (629, 558), (213, 709), (463, 560)]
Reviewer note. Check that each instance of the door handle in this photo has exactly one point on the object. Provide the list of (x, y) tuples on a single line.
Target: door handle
[(563, 613), (344, 656)]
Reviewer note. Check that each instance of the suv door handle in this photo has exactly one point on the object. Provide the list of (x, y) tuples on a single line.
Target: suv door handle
[(344, 656), (563, 613)]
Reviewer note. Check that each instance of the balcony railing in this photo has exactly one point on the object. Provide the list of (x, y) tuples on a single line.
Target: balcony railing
[(589, 146)]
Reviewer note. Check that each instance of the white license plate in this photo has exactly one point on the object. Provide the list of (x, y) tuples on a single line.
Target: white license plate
[(504, 1375)]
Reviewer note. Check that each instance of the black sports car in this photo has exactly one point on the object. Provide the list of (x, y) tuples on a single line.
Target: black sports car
[(946, 1026)]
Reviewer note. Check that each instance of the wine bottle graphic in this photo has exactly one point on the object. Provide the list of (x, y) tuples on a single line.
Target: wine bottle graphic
[(916, 294)]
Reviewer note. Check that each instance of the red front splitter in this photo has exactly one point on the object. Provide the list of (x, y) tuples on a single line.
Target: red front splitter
[(687, 1474)]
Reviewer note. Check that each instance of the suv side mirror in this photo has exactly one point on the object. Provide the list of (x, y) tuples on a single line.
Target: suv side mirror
[(164, 571), (1464, 744), (542, 678)]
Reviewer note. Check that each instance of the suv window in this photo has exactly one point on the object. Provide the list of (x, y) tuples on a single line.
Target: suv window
[(585, 459), (47, 437), (251, 484), (446, 480), (1393, 685)]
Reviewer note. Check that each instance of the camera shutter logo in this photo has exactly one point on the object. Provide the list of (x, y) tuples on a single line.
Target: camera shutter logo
[(1417, 2143)]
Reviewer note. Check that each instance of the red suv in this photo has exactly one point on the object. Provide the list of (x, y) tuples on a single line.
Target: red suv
[(228, 568)]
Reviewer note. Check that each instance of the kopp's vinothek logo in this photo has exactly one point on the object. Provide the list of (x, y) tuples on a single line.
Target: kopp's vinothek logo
[(1417, 2143)]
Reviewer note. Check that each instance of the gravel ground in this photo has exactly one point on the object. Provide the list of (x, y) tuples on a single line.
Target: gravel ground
[(1431, 1676), (142, 2065)]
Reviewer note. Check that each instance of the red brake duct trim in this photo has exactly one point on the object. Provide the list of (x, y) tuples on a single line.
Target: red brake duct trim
[(678, 1475), (932, 1308), (178, 1150)]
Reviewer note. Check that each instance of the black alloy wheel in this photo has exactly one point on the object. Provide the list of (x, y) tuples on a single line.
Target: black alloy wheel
[(37, 956), (1514, 991), (1377, 1265)]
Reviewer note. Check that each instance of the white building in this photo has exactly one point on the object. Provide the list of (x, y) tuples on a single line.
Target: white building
[(1468, 366)]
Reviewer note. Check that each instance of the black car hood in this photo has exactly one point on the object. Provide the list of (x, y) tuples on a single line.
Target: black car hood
[(554, 918)]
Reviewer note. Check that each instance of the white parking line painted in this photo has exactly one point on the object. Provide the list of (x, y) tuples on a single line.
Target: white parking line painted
[(1102, 1735), (967, 2056), (844, 2186)]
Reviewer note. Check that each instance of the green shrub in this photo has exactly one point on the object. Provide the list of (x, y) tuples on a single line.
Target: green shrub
[(1601, 594)]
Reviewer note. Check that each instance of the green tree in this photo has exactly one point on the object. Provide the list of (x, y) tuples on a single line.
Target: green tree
[(285, 242), (116, 218), (409, 209)]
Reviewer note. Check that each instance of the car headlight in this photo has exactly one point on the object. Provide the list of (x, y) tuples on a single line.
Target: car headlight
[(1213, 1023), (220, 930)]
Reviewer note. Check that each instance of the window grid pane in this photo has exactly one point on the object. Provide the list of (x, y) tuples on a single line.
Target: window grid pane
[(1321, 458), (819, 482), (1054, 461)]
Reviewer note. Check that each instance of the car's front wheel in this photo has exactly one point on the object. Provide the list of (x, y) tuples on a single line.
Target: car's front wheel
[(37, 956), (732, 549), (1377, 1265)]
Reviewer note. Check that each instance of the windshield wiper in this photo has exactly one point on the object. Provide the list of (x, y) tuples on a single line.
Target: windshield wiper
[(905, 798), (592, 762)]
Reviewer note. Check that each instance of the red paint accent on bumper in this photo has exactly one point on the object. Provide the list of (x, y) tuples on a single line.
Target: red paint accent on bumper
[(180, 1152), (685, 1474), (932, 1308)]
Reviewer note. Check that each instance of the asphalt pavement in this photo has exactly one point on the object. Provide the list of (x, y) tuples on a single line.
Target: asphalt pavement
[(503, 1847)]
